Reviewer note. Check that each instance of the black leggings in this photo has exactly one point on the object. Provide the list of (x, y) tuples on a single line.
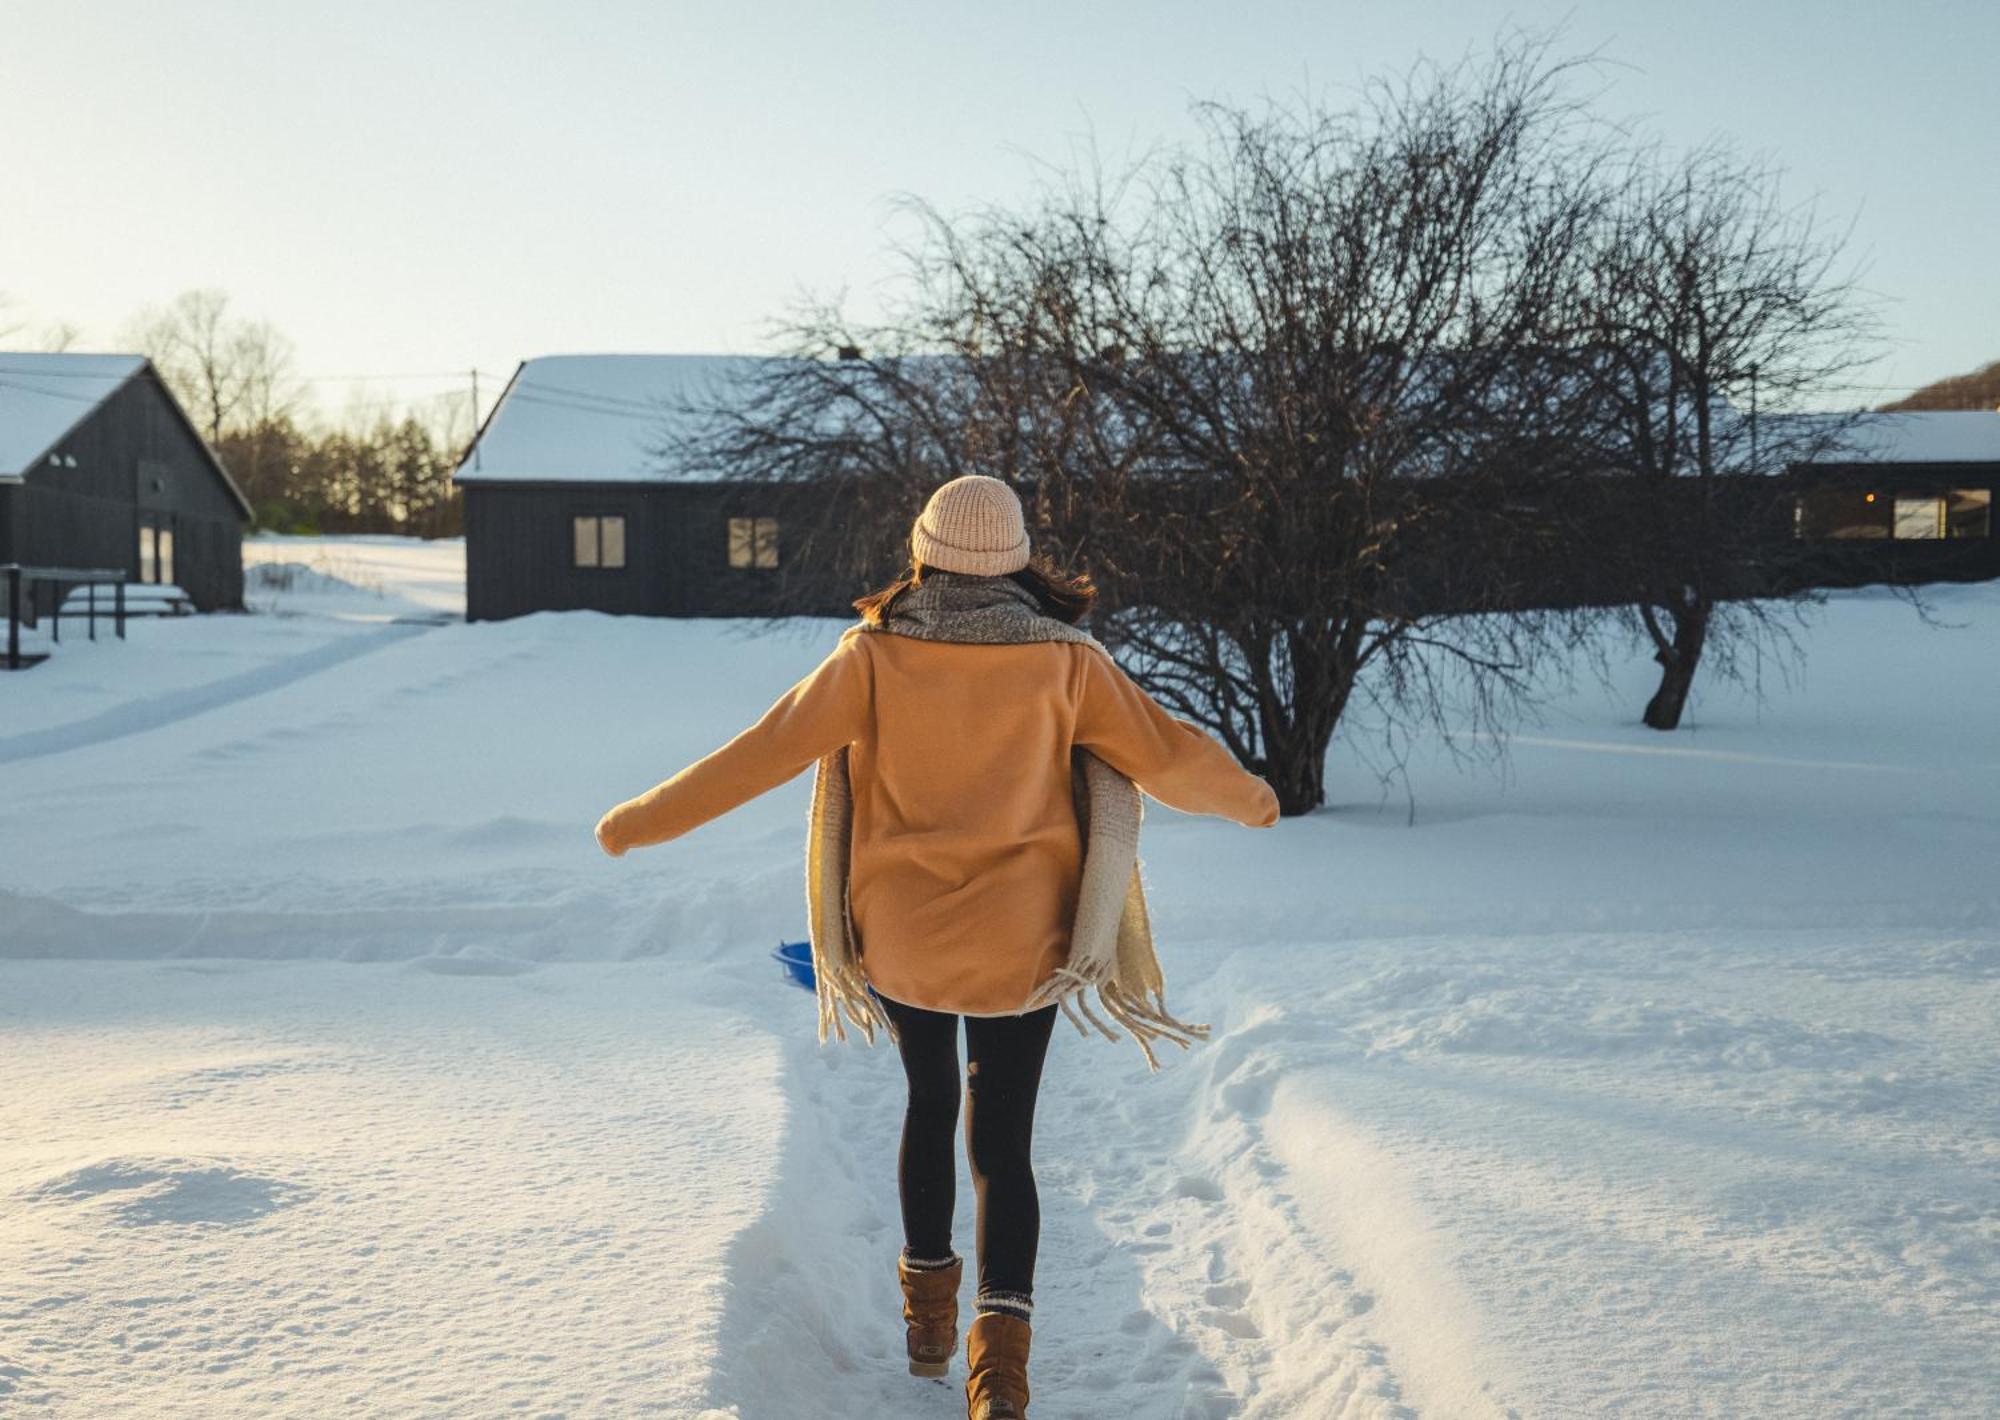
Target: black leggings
[(1004, 1057)]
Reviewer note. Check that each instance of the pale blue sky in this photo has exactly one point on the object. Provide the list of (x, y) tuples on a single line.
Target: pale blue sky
[(417, 186)]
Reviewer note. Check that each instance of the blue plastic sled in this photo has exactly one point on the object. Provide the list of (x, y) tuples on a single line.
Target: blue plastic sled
[(797, 960)]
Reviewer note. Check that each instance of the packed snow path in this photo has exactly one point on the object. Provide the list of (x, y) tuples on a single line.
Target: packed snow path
[(1656, 1079)]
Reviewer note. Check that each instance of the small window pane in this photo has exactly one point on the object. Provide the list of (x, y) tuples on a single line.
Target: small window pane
[(586, 541), (166, 554), (767, 542), (147, 553), (1969, 512), (611, 541), (740, 533), (1843, 513), (1919, 518)]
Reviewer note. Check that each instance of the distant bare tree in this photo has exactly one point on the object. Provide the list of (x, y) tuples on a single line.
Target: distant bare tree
[(231, 374), (1712, 305), (53, 337)]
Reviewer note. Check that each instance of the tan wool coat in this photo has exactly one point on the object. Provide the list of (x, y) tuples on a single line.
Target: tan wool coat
[(965, 855)]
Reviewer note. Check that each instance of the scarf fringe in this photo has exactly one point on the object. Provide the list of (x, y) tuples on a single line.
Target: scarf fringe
[(842, 991), (1145, 1021)]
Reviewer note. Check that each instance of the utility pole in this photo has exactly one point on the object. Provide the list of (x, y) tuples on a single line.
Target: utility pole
[(1753, 419)]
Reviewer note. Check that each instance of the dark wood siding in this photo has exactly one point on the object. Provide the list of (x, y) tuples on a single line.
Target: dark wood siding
[(518, 557), (519, 552), (136, 459)]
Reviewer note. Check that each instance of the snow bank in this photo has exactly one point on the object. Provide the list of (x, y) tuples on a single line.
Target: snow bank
[(366, 576), (1653, 1076)]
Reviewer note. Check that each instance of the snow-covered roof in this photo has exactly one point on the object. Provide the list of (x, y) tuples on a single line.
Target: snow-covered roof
[(1925, 436), (596, 418), (606, 418), (43, 397)]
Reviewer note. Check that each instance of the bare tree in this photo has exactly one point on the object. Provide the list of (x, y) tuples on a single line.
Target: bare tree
[(1713, 304), (1270, 389), (232, 375)]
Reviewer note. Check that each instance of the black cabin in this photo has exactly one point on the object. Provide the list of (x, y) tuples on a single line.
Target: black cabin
[(100, 468), (572, 503)]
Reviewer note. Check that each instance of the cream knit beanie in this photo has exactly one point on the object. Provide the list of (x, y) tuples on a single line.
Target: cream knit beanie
[(974, 525)]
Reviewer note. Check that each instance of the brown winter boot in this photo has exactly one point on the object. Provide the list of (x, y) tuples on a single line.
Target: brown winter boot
[(930, 1309), (996, 1354)]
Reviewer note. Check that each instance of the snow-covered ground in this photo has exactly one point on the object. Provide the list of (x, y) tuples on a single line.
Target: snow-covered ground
[(340, 1072)]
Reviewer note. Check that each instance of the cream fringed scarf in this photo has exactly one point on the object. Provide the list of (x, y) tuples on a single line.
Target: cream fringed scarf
[(1111, 941)]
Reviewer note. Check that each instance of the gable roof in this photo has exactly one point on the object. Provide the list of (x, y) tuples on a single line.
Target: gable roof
[(594, 418), (44, 397)]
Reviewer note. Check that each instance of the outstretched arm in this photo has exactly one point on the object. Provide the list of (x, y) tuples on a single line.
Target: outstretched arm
[(1174, 760), (827, 709)]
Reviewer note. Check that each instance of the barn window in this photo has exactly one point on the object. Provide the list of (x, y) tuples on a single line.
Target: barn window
[(1842, 513), (753, 542), (1919, 518), (166, 556), (1968, 512), (147, 552), (598, 541)]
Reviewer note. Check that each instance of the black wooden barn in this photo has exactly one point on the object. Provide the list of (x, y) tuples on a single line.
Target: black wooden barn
[(570, 503), (100, 468)]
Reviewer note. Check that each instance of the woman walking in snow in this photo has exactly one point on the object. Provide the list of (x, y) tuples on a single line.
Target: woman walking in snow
[(973, 853)]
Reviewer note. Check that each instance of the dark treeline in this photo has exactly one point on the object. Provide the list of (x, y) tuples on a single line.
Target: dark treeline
[(392, 475), (1978, 390)]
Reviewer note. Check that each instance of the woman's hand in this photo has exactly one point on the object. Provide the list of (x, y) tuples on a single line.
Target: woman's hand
[(606, 841)]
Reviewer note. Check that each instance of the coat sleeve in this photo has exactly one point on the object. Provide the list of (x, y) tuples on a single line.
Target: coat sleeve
[(1174, 760), (827, 709)]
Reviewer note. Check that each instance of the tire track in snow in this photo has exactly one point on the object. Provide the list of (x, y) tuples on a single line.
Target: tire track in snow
[(1273, 1309), (137, 716)]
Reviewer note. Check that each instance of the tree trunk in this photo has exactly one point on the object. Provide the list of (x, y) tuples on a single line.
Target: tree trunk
[(1296, 768), (1295, 747), (1679, 657)]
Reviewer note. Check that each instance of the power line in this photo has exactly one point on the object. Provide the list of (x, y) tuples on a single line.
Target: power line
[(650, 416), (650, 406), (58, 394), (285, 379)]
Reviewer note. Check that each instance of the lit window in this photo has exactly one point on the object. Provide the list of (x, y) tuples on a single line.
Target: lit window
[(147, 553), (1919, 518), (167, 555), (598, 542), (753, 542), (1968, 512)]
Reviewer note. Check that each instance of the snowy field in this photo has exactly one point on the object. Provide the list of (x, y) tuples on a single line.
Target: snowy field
[(341, 1074)]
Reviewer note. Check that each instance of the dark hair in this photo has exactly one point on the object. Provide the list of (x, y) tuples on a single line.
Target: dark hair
[(1066, 598)]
